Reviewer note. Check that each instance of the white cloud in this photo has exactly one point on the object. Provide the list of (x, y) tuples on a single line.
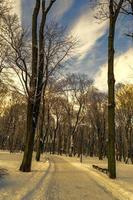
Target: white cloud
[(61, 7), (87, 31), (123, 71)]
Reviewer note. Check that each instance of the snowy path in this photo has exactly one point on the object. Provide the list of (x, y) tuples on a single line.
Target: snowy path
[(70, 183), (62, 178)]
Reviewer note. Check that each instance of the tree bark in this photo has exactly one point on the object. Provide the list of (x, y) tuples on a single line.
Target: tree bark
[(111, 95), (36, 84), (28, 150), (40, 133), (31, 124)]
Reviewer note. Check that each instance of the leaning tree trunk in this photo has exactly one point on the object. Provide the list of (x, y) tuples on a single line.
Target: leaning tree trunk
[(111, 97)]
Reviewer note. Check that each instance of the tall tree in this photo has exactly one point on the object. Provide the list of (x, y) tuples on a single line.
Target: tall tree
[(58, 47), (114, 10), (36, 82)]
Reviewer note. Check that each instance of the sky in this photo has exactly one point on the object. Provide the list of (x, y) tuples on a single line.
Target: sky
[(90, 57)]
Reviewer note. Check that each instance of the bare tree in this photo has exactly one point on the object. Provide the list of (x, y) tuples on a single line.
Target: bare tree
[(74, 88), (111, 10), (4, 8), (57, 46), (16, 51), (114, 10), (124, 113), (36, 81), (96, 109)]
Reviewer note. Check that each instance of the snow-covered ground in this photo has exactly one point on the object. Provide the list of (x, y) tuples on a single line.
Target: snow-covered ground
[(15, 185), (121, 188)]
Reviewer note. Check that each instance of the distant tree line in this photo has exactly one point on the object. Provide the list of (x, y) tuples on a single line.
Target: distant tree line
[(72, 106)]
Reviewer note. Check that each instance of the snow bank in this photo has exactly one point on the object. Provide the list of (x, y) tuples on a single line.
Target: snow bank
[(15, 185), (121, 188)]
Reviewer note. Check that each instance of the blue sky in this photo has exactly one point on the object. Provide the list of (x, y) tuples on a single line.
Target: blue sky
[(91, 54)]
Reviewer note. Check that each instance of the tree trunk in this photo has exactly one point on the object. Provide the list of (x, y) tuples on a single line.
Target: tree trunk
[(31, 118), (40, 134), (53, 150), (111, 96), (27, 158), (39, 144)]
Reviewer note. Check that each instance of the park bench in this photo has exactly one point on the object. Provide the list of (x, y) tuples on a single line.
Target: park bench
[(104, 170)]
